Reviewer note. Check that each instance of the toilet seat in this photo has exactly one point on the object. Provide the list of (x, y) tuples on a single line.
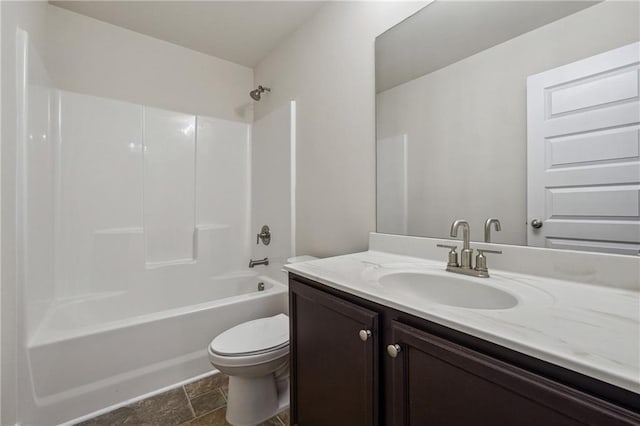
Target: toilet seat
[(253, 342)]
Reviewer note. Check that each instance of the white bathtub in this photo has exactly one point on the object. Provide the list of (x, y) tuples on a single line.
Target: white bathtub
[(97, 352)]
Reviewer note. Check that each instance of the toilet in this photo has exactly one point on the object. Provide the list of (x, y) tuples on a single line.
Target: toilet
[(255, 356)]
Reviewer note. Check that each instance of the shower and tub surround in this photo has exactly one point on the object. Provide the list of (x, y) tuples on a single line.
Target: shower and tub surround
[(141, 193), (146, 216)]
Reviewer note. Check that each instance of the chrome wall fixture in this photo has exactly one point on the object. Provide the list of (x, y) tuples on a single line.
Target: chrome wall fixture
[(253, 263), (264, 235), (256, 94)]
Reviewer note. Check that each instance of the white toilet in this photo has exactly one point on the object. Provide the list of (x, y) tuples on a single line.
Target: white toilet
[(255, 356)]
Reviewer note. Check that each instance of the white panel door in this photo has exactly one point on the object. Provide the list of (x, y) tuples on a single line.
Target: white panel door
[(583, 175)]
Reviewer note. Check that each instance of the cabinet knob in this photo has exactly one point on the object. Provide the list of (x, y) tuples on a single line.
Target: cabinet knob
[(536, 223), (393, 350), (364, 335)]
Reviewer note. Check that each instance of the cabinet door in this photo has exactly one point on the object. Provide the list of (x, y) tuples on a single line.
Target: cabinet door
[(437, 382), (334, 372)]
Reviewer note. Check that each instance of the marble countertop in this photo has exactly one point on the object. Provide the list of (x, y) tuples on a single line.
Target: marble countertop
[(590, 329)]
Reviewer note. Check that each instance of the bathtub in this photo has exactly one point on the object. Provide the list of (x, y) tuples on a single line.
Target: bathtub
[(104, 350)]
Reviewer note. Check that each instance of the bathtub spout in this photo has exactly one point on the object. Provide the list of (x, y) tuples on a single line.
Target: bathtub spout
[(253, 263)]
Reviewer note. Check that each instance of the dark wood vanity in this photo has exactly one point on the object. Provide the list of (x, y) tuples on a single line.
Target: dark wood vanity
[(344, 372)]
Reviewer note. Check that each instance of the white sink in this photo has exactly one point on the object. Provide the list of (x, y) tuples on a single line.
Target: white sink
[(452, 291)]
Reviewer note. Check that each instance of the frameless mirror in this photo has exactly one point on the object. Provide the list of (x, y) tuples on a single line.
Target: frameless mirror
[(522, 111)]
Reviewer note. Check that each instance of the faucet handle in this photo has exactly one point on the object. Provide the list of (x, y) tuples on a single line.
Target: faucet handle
[(480, 251), (453, 255), (452, 247), (481, 260)]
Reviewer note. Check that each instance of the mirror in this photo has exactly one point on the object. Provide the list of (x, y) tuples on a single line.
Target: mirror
[(522, 111)]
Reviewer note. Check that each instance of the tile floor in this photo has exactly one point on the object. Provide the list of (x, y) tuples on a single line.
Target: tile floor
[(201, 403)]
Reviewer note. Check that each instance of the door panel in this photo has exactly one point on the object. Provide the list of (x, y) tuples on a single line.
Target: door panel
[(594, 92), (614, 201), (334, 372), (577, 150), (583, 154)]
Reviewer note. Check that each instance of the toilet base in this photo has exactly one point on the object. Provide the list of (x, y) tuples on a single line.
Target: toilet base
[(256, 399)]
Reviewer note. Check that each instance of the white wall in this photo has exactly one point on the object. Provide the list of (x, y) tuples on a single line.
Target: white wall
[(327, 66), (30, 16), (466, 123), (89, 56)]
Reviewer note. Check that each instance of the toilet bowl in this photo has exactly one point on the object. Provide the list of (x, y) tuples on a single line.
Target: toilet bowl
[(255, 356)]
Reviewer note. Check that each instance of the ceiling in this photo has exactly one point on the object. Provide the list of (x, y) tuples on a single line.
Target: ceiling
[(445, 32), (243, 32)]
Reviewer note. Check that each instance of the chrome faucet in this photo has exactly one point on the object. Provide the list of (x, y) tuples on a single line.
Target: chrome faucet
[(466, 262), (253, 263), (487, 228), (466, 255)]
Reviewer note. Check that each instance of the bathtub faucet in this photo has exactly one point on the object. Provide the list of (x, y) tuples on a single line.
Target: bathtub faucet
[(253, 263)]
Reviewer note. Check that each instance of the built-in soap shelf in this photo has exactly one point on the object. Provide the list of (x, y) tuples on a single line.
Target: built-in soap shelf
[(120, 249), (112, 231), (166, 263)]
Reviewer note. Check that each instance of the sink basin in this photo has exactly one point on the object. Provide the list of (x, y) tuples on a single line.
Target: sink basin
[(452, 291)]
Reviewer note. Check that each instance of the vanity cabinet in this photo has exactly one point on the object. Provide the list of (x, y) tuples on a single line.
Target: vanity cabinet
[(434, 376), (437, 382), (335, 361)]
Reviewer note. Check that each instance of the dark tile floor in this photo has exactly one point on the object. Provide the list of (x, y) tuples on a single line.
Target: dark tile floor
[(201, 403)]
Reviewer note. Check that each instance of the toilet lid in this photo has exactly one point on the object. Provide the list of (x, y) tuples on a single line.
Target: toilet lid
[(253, 337)]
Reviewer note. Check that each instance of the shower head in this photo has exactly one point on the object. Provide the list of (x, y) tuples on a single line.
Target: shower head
[(255, 94)]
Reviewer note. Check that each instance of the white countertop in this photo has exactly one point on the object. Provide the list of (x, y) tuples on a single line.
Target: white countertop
[(591, 329)]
